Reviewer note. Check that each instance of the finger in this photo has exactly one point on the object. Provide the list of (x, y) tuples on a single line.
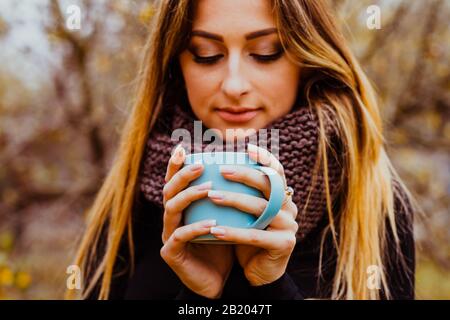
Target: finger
[(249, 176), (175, 162), (266, 158), (291, 207), (174, 207), (269, 240), (180, 180), (175, 245), (244, 253), (244, 202), (284, 220)]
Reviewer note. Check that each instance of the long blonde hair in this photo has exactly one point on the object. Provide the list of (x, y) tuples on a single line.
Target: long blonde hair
[(335, 87)]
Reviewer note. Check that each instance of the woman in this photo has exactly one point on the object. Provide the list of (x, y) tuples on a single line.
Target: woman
[(345, 233)]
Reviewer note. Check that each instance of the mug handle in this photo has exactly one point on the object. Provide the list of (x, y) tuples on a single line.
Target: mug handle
[(275, 199)]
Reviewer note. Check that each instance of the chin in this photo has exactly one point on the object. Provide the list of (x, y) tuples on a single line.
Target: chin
[(238, 134)]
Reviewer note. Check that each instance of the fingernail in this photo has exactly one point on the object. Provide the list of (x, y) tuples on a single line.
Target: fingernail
[(252, 147), (177, 157), (253, 154), (217, 231), (227, 170), (210, 223), (180, 151), (214, 194), (205, 186), (176, 150), (196, 167)]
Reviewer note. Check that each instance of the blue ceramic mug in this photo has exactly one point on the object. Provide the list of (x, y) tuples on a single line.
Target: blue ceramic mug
[(205, 209)]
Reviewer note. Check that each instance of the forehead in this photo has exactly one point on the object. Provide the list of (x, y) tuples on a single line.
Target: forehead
[(233, 16)]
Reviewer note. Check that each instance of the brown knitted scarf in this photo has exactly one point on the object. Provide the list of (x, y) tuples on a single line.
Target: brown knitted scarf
[(298, 150)]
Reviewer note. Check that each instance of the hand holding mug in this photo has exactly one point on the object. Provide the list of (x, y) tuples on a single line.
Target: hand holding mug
[(263, 254), (204, 269)]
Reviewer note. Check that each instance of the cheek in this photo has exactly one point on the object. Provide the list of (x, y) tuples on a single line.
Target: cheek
[(200, 85), (281, 86)]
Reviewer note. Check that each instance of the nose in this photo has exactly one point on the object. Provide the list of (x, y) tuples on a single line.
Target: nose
[(235, 83)]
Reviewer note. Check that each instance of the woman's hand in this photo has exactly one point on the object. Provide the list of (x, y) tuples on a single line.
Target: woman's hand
[(263, 254), (202, 268)]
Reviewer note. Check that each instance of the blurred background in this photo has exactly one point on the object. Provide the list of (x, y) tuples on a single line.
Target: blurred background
[(64, 95)]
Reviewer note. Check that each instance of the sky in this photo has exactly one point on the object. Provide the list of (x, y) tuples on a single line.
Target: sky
[(25, 50), (26, 33)]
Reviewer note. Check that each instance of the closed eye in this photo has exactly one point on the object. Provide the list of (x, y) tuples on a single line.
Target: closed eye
[(207, 60), (265, 58), (258, 57)]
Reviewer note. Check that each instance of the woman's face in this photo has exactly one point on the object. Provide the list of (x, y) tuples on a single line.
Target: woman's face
[(236, 73)]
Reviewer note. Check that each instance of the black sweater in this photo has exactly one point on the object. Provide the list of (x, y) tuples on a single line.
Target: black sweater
[(153, 278)]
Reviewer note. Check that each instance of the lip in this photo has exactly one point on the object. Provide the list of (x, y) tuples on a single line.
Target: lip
[(238, 114)]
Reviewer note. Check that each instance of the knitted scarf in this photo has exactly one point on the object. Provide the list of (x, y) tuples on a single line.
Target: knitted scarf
[(298, 151)]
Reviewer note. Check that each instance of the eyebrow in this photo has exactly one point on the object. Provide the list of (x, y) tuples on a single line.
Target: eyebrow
[(248, 36)]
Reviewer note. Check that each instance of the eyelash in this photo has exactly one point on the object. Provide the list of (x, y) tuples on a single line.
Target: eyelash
[(258, 57)]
